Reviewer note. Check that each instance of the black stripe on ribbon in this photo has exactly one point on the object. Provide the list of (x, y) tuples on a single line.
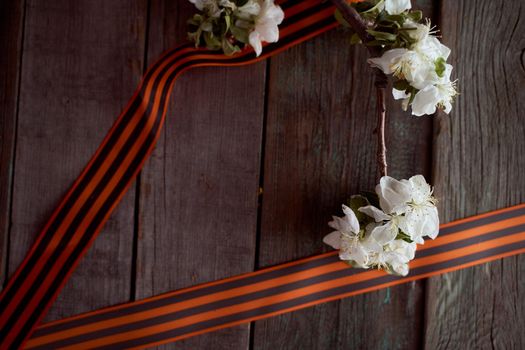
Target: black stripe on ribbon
[(508, 214)]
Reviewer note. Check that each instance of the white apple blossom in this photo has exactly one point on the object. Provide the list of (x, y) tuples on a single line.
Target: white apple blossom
[(439, 94), (420, 191), (266, 25), (407, 213), (346, 238), (395, 7), (411, 65), (421, 221), (419, 63), (421, 218)]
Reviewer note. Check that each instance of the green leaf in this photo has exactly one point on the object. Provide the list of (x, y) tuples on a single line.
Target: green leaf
[(382, 35), (241, 3), (372, 198), (212, 42), (356, 202), (355, 39), (368, 7), (227, 20), (412, 91), (401, 85), (196, 20), (441, 66), (229, 48), (240, 34), (404, 237), (394, 18), (416, 16)]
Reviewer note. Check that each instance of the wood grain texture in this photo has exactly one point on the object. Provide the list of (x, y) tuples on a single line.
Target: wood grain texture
[(479, 166), (11, 33), (199, 190), (82, 61), (320, 149)]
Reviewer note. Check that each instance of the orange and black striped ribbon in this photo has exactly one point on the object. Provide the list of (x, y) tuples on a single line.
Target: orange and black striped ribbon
[(87, 205), (284, 288)]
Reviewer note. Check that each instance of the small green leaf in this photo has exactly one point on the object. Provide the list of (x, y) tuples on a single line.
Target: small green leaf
[(441, 66), (372, 198), (212, 42), (394, 18), (355, 39), (412, 91), (382, 35), (401, 85), (227, 20), (229, 48), (416, 16), (240, 34), (356, 202), (339, 17), (404, 237)]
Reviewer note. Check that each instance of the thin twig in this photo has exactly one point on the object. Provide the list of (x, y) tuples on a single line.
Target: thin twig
[(359, 25), (381, 83)]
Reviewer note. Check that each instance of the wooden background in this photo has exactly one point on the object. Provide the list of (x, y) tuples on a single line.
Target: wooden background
[(254, 160)]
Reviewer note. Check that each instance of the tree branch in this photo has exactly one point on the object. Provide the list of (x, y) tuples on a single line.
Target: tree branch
[(381, 81)]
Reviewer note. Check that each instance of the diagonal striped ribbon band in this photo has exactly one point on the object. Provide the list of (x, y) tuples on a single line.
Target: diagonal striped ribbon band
[(87, 205), (272, 291), (78, 219)]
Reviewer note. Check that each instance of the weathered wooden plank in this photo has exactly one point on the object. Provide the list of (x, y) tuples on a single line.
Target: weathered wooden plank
[(199, 190), (81, 63), (11, 29), (479, 166), (320, 149)]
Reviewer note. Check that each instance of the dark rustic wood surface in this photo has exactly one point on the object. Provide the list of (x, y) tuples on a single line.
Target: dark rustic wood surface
[(80, 64), (234, 186), (11, 33), (479, 165)]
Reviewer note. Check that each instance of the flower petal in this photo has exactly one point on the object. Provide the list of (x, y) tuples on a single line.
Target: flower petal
[(386, 233), (255, 42), (351, 219), (386, 62), (393, 195), (395, 7), (425, 101), (375, 213), (333, 239)]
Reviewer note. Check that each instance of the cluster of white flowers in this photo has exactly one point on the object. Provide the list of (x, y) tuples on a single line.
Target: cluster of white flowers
[(248, 21), (421, 66), (386, 237)]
